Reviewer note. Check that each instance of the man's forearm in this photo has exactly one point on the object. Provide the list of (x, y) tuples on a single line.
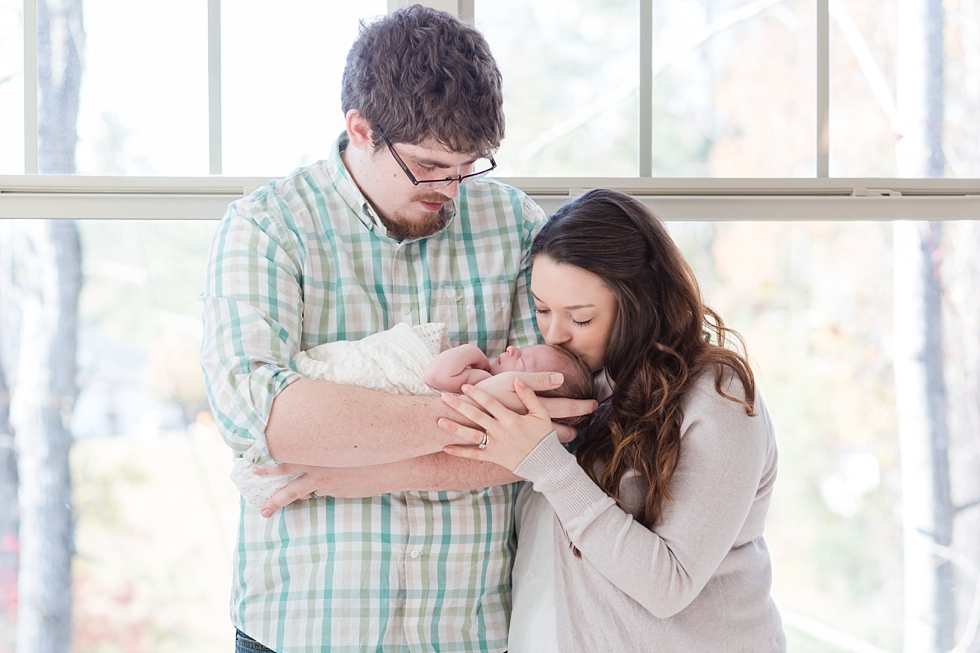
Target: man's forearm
[(437, 472), (440, 472), (316, 422)]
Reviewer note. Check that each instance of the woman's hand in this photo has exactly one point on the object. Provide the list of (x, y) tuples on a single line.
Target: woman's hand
[(501, 387), (510, 435)]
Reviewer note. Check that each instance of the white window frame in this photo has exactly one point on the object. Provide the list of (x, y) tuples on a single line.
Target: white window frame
[(732, 199)]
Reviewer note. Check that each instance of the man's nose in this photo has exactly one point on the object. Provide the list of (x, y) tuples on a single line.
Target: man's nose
[(452, 190)]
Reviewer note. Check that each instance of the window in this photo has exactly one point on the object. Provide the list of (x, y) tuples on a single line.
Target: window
[(778, 138)]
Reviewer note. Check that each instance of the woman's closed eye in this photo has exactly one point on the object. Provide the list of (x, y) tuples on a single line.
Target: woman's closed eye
[(581, 323)]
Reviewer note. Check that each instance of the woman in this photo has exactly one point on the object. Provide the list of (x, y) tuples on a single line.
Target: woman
[(658, 516)]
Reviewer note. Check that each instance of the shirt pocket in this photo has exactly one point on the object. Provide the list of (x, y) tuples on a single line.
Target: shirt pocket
[(476, 312)]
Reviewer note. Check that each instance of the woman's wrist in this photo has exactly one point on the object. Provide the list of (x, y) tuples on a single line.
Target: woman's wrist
[(556, 473), (541, 458)]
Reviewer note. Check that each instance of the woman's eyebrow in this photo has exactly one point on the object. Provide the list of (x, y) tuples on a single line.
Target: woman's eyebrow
[(567, 308)]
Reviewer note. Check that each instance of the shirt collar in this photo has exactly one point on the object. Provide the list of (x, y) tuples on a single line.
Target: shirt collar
[(345, 186)]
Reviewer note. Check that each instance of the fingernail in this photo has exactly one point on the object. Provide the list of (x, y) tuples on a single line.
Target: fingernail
[(557, 378), (266, 513), (520, 384), (442, 423), (465, 387), (258, 470)]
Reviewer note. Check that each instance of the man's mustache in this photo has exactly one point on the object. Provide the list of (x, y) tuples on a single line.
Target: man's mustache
[(432, 198)]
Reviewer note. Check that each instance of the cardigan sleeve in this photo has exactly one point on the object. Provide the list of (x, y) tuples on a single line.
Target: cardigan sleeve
[(725, 458)]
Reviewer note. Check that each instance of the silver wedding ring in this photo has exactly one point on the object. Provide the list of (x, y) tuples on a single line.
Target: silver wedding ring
[(313, 495), (486, 438)]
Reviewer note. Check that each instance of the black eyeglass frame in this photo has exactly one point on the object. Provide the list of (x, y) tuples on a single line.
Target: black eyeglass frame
[(461, 179)]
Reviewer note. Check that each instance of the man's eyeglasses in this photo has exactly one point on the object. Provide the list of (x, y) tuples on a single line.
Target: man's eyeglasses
[(433, 183)]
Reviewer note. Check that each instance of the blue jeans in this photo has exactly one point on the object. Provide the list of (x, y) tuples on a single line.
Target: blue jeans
[(245, 644)]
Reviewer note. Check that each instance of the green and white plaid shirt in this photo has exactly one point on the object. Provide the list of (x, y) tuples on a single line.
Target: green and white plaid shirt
[(305, 261)]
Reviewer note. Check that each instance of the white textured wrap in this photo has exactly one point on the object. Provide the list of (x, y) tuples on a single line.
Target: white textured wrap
[(392, 361)]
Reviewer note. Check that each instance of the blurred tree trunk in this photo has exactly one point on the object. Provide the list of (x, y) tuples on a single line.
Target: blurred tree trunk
[(49, 280), (927, 509), (8, 511), (961, 278), (43, 279), (921, 394)]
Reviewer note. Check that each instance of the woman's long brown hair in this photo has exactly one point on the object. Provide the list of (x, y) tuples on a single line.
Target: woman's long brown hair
[(663, 338)]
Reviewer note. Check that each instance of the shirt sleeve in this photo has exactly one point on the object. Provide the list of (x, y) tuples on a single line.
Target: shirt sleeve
[(252, 312), (523, 326), (724, 455)]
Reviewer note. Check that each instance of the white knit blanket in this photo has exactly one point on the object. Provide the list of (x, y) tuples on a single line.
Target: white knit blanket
[(392, 361)]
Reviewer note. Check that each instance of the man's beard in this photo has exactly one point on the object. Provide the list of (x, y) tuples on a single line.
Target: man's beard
[(403, 228)]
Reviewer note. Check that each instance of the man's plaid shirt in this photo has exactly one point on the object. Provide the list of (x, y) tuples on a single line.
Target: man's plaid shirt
[(305, 261)]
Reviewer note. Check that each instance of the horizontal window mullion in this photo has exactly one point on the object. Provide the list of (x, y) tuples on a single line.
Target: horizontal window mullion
[(535, 186), (201, 205), (760, 187), (800, 208), (117, 206)]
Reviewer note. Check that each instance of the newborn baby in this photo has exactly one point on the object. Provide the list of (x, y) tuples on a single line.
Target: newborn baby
[(456, 366), (413, 360)]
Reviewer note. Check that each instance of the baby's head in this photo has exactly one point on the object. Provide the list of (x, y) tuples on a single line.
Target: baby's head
[(549, 358)]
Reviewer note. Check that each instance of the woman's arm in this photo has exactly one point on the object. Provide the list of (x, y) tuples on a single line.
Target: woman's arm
[(724, 454)]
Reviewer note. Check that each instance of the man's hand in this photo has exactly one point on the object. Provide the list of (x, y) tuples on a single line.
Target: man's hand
[(562, 407), (339, 482)]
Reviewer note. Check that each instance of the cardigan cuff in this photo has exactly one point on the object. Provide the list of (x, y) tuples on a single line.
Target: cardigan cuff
[(556, 474)]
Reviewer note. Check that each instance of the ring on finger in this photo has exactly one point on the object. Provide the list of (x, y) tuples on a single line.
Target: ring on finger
[(314, 495), (486, 439)]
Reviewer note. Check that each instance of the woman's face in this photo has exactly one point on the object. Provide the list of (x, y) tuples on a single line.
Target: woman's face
[(575, 308)]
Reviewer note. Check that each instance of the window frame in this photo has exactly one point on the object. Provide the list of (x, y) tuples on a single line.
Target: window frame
[(730, 199), (782, 199)]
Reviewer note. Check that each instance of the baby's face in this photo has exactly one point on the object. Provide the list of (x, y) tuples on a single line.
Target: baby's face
[(536, 358)]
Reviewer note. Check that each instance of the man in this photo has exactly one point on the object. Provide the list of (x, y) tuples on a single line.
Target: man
[(396, 225)]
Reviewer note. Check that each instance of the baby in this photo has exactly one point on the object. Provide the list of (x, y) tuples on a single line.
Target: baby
[(413, 360), (456, 366)]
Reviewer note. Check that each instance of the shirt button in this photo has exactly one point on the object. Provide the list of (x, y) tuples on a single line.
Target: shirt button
[(406, 310), (414, 553)]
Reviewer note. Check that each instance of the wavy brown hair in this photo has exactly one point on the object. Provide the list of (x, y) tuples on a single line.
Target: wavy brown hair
[(663, 339)]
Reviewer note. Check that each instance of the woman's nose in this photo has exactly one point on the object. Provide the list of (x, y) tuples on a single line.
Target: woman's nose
[(554, 334)]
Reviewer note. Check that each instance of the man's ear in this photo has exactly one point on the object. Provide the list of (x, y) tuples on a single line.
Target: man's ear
[(360, 131)]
